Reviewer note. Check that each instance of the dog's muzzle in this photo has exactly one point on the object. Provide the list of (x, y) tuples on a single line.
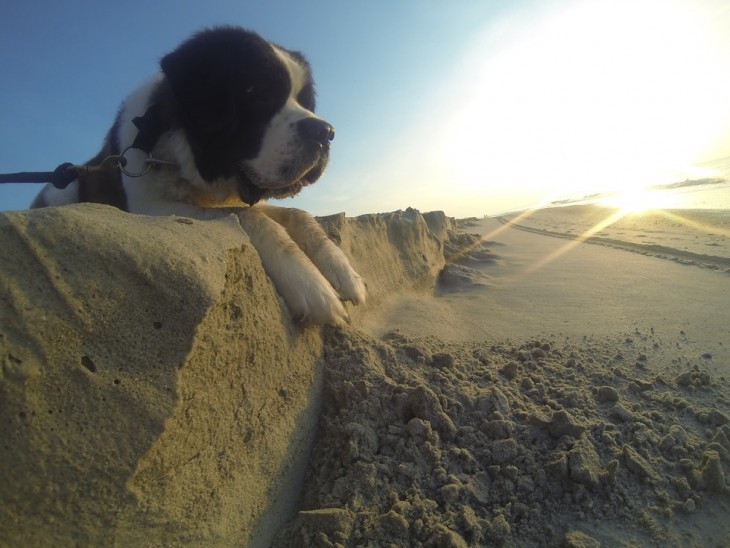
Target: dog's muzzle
[(316, 136)]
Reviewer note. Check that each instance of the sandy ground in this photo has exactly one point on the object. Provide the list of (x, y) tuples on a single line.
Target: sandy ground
[(522, 283), (547, 393), (154, 389), (695, 237)]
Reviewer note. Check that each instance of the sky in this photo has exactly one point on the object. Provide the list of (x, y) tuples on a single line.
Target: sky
[(472, 107)]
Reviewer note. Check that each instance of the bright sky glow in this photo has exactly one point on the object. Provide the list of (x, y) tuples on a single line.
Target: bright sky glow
[(467, 107), (638, 200), (600, 96)]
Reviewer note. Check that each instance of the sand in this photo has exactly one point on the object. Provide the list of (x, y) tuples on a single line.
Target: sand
[(692, 237), (530, 444), (521, 283), (154, 389), (136, 407), (552, 394), (516, 387)]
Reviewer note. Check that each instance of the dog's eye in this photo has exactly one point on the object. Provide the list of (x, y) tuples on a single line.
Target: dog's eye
[(258, 94), (306, 97)]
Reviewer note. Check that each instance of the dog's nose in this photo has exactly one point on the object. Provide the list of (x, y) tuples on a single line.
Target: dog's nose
[(317, 130)]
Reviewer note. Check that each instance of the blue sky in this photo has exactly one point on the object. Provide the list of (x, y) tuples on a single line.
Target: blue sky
[(468, 106)]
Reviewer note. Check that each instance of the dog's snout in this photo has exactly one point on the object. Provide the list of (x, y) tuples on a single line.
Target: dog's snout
[(317, 130)]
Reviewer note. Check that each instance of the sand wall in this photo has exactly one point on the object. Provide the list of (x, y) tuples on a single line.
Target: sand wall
[(154, 389)]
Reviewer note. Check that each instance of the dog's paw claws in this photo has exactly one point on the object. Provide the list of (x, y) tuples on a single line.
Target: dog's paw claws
[(353, 289), (348, 284), (320, 306)]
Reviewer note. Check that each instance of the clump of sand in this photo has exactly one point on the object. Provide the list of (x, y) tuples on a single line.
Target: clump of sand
[(546, 442)]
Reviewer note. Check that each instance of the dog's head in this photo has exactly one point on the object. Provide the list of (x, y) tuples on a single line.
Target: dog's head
[(246, 109)]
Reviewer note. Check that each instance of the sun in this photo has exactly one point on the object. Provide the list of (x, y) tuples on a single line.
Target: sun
[(639, 200), (588, 97)]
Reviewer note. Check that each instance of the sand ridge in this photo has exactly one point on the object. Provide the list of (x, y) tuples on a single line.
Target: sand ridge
[(154, 388)]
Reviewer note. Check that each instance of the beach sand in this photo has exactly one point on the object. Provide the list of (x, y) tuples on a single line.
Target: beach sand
[(519, 283), (539, 390), (548, 393)]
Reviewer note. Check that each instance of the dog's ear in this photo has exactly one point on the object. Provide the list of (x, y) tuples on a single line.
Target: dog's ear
[(203, 81), (193, 70), (173, 67), (224, 76)]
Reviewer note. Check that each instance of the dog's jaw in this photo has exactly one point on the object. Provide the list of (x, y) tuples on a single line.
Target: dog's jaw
[(249, 193), (290, 178)]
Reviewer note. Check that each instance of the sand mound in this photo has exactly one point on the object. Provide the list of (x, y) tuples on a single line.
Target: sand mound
[(154, 389)]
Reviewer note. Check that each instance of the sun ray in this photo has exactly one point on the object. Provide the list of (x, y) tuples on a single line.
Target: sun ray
[(574, 242), (505, 224), (605, 223), (672, 215)]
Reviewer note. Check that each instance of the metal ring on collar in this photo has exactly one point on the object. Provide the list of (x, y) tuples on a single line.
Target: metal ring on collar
[(149, 161), (123, 164)]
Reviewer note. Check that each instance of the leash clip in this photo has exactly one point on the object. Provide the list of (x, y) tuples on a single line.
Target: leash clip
[(110, 162)]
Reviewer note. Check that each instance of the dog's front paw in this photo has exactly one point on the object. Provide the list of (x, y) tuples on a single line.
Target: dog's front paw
[(314, 301), (308, 284), (350, 285), (336, 268)]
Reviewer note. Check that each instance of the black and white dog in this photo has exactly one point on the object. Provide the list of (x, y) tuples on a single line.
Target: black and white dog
[(234, 116)]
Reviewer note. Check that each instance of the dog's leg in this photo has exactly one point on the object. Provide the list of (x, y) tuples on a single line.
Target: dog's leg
[(329, 259), (307, 293)]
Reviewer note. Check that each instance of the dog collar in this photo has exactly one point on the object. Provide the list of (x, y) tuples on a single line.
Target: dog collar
[(150, 128)]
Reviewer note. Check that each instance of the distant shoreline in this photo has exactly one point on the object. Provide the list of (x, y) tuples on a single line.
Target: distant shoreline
[(688, 183), (715, 190)]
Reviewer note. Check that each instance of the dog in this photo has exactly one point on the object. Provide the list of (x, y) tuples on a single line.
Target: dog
[(227, 123)]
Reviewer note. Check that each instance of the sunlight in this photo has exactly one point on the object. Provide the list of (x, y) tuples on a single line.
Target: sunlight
[(574, 242), (600, 96), (639, 200), (684, 220), (625, 204)]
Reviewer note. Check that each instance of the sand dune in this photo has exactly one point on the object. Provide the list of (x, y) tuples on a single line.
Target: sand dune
[(501, 386)]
